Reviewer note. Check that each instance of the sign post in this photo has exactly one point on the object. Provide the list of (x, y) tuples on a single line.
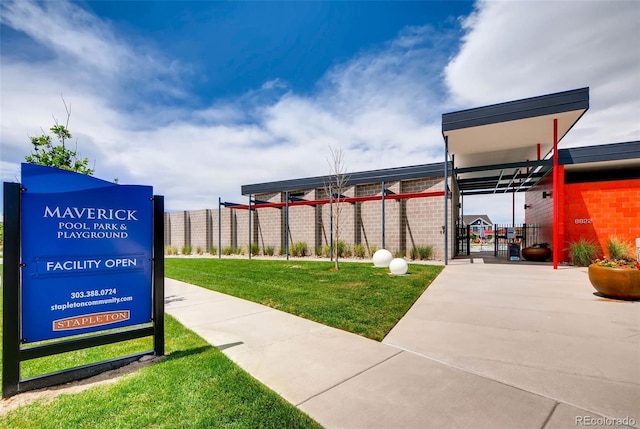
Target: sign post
[(89, 258)]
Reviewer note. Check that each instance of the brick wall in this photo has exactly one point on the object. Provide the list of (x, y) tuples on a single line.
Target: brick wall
[(302, 221), (408, 223), (540, 210), (200, 225), (600, 210), (422, 218), (592, 211), (179, 229), (268, 223), (368, 217)]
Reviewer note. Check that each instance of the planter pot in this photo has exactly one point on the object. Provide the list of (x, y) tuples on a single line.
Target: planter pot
[(617, 283), (538, 254)]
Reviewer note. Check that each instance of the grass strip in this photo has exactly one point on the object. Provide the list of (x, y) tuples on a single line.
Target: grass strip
[(358, 298), (195, 386)]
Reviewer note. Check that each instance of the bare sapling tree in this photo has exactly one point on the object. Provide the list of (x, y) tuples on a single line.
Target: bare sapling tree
[(45, 152), (335, 187)]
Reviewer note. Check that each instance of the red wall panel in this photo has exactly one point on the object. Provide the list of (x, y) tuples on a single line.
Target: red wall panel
[(593, 211), (599, 210)]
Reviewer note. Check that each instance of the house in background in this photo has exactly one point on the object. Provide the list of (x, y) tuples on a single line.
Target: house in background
[(479, 225)]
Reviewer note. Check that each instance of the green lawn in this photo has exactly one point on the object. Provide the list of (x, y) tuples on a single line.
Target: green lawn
[(357, 298), (194, 386)]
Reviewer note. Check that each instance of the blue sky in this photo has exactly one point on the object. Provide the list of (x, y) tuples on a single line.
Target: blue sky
[(199, 98)]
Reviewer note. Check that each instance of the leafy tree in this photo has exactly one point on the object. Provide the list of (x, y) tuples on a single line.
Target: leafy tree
[(45, 152)]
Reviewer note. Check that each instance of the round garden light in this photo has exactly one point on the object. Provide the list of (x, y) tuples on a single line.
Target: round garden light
[(382, 258), (398, 267)]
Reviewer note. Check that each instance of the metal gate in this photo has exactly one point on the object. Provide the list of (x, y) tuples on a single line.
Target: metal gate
[(524, 235), (463, 240)]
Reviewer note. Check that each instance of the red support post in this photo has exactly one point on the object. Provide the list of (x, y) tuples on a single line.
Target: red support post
[(405, 196), (556, 200)]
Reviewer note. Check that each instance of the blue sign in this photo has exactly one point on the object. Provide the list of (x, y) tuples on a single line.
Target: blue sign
[(87, 246)]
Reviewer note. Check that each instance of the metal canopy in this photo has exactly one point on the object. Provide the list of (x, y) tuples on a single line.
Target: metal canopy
[(501, 147)]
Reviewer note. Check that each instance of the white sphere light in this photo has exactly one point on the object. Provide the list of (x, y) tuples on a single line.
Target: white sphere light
[(382, 258), (398, 267)]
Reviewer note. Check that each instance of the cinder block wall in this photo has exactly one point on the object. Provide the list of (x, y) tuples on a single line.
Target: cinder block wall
[(592, 210), (346, 230), (179, 229), (408, 223), (268, 223), (422, 217), (302, 221), (200, 223), (368, 231)]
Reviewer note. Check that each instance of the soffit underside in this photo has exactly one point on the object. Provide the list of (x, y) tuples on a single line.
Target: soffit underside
[(506, 142)]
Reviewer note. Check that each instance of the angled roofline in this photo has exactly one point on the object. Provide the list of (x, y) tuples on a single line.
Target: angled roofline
[(357, 178), (483, 217), (550, 104), (599, 153)]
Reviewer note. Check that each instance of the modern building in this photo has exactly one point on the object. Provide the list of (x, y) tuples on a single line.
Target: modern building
[(589, 192)]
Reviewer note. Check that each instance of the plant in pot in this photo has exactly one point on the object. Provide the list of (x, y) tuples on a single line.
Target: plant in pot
[(538, 252), (617, 276)]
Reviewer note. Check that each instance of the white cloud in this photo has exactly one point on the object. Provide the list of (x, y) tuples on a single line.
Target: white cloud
[(514, 50), (383, 106), (520, 49)]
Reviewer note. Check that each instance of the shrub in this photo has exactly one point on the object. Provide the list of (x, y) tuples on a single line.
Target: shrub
[(344, 251), (186, 250), (347, 253), (213, 250), (372, 250), (619, 248), (229, 250), (326, 251), (171, 250), (255, 249), (400, 253), (269, 250), (414, 254), (425, 252), (359, 251), (299, 249), (199, 250), (582, 252)]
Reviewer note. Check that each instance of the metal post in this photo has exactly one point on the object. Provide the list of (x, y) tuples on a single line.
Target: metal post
[(286, 224), (446, 200), (219, 228), (11, 291), (158, 275), (556, 200), (384, 191), (513, 209), (330, 223), (468, 240), (250, 243)]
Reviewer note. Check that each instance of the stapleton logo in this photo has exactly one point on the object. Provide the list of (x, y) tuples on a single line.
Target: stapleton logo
[(90, 320)]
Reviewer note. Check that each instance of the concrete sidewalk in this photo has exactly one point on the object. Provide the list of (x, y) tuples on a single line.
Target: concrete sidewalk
[(486, 346)]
